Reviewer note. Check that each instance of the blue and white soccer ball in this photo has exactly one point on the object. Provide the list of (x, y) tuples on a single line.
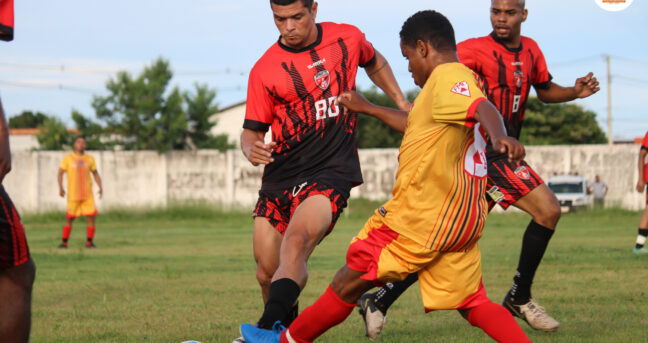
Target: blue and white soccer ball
[(190, 342)]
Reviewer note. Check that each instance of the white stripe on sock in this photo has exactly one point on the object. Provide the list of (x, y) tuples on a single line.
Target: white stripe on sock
[(641, 240), (289, 337)]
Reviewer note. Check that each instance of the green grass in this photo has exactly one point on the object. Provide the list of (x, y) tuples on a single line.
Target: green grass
[(188, 273)]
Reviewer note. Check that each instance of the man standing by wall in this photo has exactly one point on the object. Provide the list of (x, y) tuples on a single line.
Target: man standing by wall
[(78, 165), (599, 190)]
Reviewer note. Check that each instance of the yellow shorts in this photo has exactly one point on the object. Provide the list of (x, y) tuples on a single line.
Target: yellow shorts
[(84, 208), (448, 280)]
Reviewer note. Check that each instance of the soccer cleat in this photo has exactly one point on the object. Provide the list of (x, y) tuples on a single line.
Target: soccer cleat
[(253, 334), (373, 317), (90, 245), (640, 251), (534, 314), (63, 245), (239, 340)]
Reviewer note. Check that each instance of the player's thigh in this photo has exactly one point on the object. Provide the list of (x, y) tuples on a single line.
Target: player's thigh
[(542, 204), (266, 242), (310, 222)]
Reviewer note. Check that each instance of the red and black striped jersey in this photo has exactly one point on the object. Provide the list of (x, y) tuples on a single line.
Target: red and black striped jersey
[(507, 75), (295, 92), (644, 145), (6, 20)]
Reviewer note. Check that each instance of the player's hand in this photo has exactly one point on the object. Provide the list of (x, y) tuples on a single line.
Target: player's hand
[(61, 192), (353, 101), (511, 147), (586, 86), (641, 185), (260, 153)]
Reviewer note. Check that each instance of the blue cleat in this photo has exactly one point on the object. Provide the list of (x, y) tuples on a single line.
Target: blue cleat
[(253, 334)]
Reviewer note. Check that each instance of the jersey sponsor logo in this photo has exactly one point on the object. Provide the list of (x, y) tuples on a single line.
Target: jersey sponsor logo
[(495, 194), (522, 172), (298, 189), (323, 79), (517, 63), (461, 88), (317, 63)]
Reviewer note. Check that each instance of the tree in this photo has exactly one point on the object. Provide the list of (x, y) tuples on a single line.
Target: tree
[(27, 120), (53, 135), (551, 124), (373, 133), (90, 130), (200, 107)]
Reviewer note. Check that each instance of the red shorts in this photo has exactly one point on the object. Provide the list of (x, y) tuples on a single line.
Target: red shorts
[(279, 206), (13, 244), (509, 182)]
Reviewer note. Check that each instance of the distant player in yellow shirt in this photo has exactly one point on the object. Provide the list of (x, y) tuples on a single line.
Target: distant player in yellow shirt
[(78, 166), (436, 215)]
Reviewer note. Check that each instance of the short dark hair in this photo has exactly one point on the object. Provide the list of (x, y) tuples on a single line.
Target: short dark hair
[(307, 3), (429, 26)]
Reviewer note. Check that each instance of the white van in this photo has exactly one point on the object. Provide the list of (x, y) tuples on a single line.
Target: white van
[(571, 191)]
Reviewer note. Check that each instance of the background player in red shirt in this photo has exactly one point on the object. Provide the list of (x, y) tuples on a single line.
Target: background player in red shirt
[(312, 162), (641, 186), (509, 65), (17, 269)]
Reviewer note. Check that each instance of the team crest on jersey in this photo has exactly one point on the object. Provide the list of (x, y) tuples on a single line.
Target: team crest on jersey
[(461, 88), (323, 79), (518, 77), (522, 172)]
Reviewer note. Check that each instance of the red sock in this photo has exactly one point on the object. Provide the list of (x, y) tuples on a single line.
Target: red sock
[(66, 232), (90, 230), (328, 311), (497, 322)]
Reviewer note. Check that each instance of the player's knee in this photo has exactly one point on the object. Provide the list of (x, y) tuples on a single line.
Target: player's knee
[(264, 276)]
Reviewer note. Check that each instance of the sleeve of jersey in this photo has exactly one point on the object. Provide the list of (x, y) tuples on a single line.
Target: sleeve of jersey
[(64, 164), (466, 54), (367, 52), (93, 166), (456, 97), (6, 20), (541, 77), (258, 107)]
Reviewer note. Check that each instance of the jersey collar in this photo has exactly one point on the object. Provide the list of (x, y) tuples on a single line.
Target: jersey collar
[(500, 42), (309, 47)]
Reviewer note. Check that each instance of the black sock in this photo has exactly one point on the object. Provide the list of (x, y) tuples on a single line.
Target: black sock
[(534, 243), (386, 295), (283, 294), (294, 312), (643, 233), (65, 240)]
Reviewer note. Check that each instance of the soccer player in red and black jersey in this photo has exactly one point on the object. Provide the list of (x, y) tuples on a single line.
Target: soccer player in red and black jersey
[(312, 162), (509, 65), (641, 186), (17, 269)]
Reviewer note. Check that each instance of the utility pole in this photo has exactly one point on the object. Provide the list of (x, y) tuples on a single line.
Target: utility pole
[(609, 100)]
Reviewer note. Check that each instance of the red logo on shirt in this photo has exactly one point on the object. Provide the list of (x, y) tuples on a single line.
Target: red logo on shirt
[(323, 79), (461, 88), (518, 77)]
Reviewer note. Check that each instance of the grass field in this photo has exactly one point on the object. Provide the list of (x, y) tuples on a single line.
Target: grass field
[(188, 273)]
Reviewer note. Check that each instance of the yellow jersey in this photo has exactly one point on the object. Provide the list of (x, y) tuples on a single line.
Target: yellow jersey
[(439, 195), (78, 169)]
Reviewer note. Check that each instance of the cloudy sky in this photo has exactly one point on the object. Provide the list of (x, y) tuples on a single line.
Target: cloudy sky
[(64, 51)]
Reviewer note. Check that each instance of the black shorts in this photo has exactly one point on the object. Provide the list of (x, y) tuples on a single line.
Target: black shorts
[(508, 182), (13, 244), (278, 206)]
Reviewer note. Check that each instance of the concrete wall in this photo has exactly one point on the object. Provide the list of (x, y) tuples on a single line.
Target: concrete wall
[(145, 178)]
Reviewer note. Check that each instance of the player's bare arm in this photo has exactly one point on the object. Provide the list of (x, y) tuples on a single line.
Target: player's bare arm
[(97, 179), (353, 101), (254, 148), (583, 87), (382, 76), (59, 178), (641, 184), (5, 153), (490, 118)]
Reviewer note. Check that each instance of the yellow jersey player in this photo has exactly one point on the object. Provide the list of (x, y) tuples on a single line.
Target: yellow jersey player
[(436, 215), (79, 166)]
